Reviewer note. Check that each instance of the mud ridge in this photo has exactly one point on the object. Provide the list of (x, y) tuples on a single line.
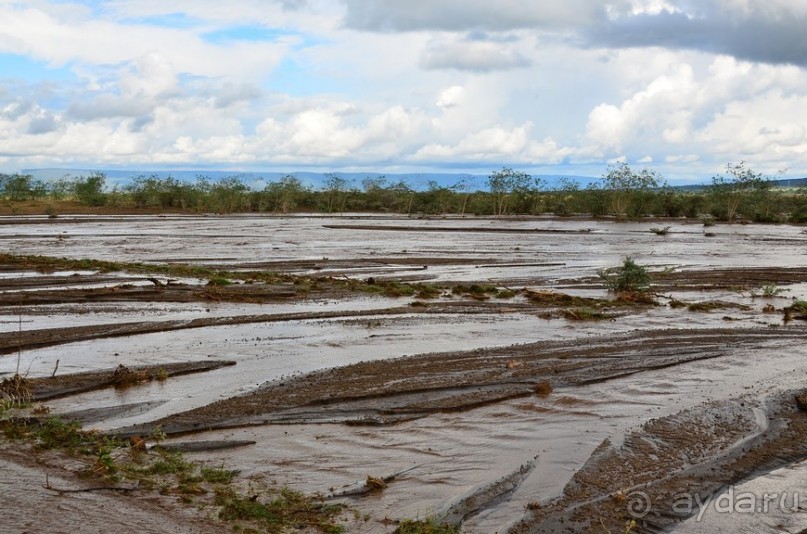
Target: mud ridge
[(694, 454), (71, 384), (452, 229), (420, 385)]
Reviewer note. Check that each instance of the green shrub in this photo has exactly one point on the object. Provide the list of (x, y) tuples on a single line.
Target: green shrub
[(630, 277)]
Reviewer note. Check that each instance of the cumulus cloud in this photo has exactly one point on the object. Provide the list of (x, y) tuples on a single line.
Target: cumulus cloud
[(767, 31), (353, 82), (450, 97), (731, 110)]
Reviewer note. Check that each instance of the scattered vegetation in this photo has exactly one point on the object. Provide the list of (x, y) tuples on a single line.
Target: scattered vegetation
[(115, 461), (630, 277), (476, 291), (707, 305), (284, 511), (124, 376), (428, 291), (14, 392), (768, 291), (554, 298), (429, 525), (739, 193), (584, 314), (797, 310)]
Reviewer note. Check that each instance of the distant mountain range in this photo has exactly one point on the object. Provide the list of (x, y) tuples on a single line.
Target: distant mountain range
[(419, 181)]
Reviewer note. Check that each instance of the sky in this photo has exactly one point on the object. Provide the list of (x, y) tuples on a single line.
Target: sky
[(682, 87)]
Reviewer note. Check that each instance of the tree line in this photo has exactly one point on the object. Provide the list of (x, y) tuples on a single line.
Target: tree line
[(739, 193)]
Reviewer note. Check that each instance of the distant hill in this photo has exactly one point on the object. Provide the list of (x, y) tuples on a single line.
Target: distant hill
[(786, 182)]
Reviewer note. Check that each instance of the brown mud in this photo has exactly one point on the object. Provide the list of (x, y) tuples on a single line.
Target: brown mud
[(52, 387), (390, 391)]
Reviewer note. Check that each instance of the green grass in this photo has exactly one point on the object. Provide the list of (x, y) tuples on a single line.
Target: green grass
[(769, 291), (220, 475), (284, 511)]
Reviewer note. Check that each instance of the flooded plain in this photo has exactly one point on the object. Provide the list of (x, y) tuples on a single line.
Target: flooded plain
[(511, 409)]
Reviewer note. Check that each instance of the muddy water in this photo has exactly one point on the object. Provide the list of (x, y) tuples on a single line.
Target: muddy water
[(580, 246), (457, 453), (453, 454), (771, 503)]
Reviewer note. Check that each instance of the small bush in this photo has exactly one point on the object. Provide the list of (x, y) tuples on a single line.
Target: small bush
[(124, 376), (770, 291), (799, 215), (661, 231), (630, 277)]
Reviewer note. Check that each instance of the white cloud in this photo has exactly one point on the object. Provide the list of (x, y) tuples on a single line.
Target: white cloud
[(44, 36), (450, 97), (346, 83), (152, 74)]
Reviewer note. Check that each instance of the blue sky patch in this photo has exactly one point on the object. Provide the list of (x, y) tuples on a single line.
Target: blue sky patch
[(245, 33), (21, 68)]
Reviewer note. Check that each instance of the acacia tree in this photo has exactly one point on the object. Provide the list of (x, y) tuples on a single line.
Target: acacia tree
[(229, 194), (16, 186), (506, 184), (740, 184), (377, 193), (90, 190), (336, 189), (464, 188), (284, 193), (628, 191), (403, 195)]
